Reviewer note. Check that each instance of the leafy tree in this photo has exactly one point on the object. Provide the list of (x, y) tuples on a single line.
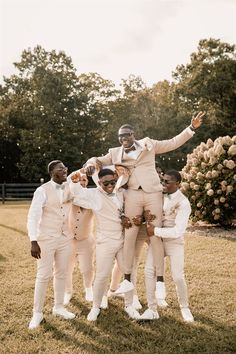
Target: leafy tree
[(55, 114), (208, 83)]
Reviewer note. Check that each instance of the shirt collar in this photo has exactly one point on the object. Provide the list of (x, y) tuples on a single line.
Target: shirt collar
[(54, 184), (107, 194), (172, 195)]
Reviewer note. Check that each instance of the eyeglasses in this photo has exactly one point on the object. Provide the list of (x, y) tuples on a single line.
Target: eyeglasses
[(112, 183), (125, 135)]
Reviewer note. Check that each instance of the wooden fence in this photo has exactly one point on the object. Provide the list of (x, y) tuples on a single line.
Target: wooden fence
[(17, 191)]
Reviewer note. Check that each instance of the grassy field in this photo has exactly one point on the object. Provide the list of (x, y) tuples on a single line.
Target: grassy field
[(211, 278)]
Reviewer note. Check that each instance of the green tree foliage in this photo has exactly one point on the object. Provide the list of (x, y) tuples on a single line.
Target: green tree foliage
[(53, 113), (208, 83)]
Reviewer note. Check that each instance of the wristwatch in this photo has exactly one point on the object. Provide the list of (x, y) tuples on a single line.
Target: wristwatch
[(192, 128)]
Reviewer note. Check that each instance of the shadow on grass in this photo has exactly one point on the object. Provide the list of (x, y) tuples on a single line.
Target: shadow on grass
[(114, 332)]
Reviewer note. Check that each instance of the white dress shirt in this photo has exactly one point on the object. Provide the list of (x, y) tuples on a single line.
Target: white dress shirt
[(134, 154), (36, 209), (176, 210)]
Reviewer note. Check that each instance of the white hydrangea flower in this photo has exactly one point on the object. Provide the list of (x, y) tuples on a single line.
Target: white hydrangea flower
[(208, 186), (196, 187), (216, 201), (222, 199), (229, 189), (220, 167), (232, 150), (217, 211), (208, 174), (219, 150), (226, 140), (215, 174), (230, 164), (210, 192), (199, 204)]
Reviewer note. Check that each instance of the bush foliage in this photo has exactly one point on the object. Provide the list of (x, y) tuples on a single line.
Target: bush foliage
[(209, 180)]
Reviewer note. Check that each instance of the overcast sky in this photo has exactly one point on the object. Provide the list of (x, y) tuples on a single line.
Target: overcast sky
[(115, 38)]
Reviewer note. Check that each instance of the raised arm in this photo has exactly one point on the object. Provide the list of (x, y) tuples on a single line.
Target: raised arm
[(162, 146)]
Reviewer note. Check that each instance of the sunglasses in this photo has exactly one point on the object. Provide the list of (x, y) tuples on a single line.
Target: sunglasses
[(166, 181), (112, 183), (125, 135)]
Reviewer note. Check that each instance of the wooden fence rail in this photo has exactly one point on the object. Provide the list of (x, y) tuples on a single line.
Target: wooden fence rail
[(17, 191)]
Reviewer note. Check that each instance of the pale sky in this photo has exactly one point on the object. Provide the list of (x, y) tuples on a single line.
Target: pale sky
[(115, 38)]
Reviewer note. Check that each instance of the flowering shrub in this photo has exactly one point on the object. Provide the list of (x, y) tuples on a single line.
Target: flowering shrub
[(209, 181)]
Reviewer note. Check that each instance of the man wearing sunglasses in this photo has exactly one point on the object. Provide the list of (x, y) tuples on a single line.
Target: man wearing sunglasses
[(107, 206), (144, 188), (176, 212)]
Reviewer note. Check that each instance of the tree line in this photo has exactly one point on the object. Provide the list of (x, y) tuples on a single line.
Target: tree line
[(48, 111)]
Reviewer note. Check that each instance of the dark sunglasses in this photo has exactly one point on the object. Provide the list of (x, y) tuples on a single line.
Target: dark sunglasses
[(166, 181), (112, 183), (125, 135)]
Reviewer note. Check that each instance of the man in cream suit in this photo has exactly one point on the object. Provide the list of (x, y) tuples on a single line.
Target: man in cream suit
[(176, 212), (107, 206), (81, 224), (144, 187), (50, 237)]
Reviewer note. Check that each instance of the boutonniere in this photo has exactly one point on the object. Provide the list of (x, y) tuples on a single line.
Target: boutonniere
[(174, 209)]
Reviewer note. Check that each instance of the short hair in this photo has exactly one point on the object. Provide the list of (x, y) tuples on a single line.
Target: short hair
[(127, 126), (52, 164), (105, 172), (175, 174)]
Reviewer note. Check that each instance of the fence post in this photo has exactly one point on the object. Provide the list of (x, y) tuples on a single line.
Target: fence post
[(3, 192)]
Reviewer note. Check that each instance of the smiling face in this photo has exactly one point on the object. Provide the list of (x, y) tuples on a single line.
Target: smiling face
[(107, 183), (59, 173), (170, 185), (126, 137)]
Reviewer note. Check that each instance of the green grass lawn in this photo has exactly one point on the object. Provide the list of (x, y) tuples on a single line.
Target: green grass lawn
[(211, 278)]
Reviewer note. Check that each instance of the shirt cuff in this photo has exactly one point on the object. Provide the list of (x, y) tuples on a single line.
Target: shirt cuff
[(32, 238)]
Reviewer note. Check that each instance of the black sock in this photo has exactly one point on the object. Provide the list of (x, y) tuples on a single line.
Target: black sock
[(160, 279), (127, 277)]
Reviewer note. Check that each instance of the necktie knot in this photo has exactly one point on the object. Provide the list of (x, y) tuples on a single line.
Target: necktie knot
[(132, 148)]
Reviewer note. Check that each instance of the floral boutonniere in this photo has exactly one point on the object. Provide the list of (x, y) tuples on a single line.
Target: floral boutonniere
[(174, 209)]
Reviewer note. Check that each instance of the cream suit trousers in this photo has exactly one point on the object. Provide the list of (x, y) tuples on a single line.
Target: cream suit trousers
[(175, 250), (117, 273), (55, 253), (106, 252), (83, 251), (136, 202)]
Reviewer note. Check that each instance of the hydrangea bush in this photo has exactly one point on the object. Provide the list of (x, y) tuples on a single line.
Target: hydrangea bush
[(209, 181)]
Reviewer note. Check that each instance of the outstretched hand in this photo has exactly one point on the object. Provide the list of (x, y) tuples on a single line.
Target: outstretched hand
[(196, 121)]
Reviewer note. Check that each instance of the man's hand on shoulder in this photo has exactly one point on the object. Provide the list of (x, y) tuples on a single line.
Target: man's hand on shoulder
[(196, 121)]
